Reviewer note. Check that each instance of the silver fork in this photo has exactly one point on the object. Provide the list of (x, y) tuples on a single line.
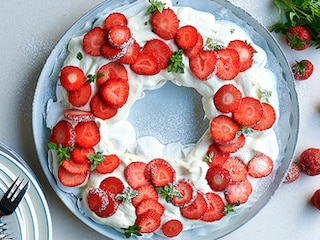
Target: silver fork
[(12, 197)]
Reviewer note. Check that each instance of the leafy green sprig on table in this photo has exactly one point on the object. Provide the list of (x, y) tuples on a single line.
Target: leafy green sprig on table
[(304, 13)]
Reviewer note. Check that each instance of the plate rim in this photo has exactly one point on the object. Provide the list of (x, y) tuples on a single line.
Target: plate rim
[(273, 45)]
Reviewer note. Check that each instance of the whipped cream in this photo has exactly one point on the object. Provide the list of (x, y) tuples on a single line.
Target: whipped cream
[(118, 136)]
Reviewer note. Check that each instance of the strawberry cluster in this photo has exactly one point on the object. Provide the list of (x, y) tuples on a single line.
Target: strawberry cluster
[(75, 136)]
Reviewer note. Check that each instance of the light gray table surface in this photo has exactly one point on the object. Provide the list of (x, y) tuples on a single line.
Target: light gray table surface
[(28, 32)]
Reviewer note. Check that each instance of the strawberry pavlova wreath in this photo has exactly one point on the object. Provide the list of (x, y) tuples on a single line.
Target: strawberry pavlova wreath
[(141, 186)]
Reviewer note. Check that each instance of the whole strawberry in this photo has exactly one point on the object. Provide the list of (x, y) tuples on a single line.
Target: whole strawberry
[(293, 173), (309, 161), (298, 37), (302, 70), (315, 200)]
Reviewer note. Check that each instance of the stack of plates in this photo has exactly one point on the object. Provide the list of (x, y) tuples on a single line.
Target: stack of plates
[(31, 220)]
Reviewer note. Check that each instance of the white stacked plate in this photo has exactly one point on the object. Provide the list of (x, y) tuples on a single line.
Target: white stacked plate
[(32, 219)]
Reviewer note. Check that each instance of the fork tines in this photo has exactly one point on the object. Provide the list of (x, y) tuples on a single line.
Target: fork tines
[(15, 192)]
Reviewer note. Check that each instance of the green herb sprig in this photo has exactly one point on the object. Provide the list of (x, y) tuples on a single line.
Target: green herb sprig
[(62, 152), (176, 62), (155, 7), (304, 13), (134, 229)]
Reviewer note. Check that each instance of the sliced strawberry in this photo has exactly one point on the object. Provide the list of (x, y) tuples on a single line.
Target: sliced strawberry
[(268, 118), (111, 52), (74, 167), (87, 134), (233, 146), (78, 115), (203, 65), (149, 204), (148, 222), (197, 209), (81, 96), (111, 70), (109, 164), (218, 178), (216, 207), (237, 169), (150, 165), (111, 208), (223, 129), (293, 174), (115, 92), (165, 24), (161, 50), (239, 191), (63, 133), (114, 19), (162, 175), (228, 64), (134, 174), (112, 184), (187, 191), (97, 199), (131, 54), (93, 41), (195, 50), (172, 228), (120, 36), (100, 109), (260, 166), (245, 51), (80, 154), (146, 64), (249, 112), (72, 78), (227, 98), (145, 192), (186, 37), (215, 156), (70, 179)]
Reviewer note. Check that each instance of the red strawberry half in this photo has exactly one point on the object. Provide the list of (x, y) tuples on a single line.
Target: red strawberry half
[(87, 134), (197, 209), (120, 36), (172, 228), (100, 109), (149, 204), (218, 178), (146, 64), (78, 115), (216, 207), (145, 192), (112, 184), (223, 129), (162, 175), (245, 51), (148, 221), (195, 50), (80, 154), (203, 65), (111, 70), (70, 179), (81, 96), (72, 78), (260, 166), (97, 199), (131, 54), (187, 191), (227, 98), (237, 169), (75, 167), (228, 64), (268, 118), (215, 156), (115, 92), (63, 133), (93, 41), (239, 191), (186, 37), (165, 24), (293, 174), (109, 164), (134, 174), (114, 19), (249, 112), (111, 208), (232, 146), (161, 50)]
